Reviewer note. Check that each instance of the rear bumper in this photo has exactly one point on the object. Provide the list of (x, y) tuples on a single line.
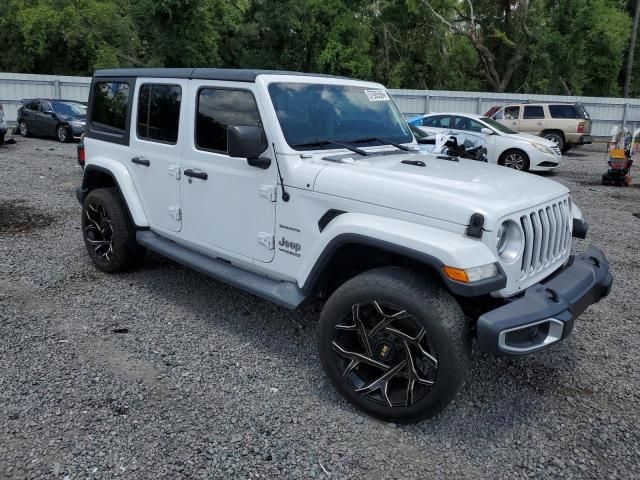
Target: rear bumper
[(576, 139), (546, 312)]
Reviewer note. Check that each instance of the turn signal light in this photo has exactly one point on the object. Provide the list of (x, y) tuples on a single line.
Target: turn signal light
[(457, 274)]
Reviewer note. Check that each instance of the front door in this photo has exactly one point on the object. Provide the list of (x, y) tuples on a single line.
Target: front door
[(156, 148), (509, 116), (227, 203)]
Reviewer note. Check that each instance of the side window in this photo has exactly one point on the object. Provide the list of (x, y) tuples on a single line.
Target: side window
[(33, 105), (109, 108), (465, 123), (46, 107), (440, 121), (220, 108), (159, 113), (512, 113), (563, 111), (533, 112), (499, 115)]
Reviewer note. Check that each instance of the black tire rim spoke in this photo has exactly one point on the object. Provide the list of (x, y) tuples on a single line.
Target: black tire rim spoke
[(384, 354), (99, 231)]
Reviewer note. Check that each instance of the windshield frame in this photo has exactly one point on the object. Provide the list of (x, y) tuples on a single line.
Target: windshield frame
[(497, 126), (357, 138)]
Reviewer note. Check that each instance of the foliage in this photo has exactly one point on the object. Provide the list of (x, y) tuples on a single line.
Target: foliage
[(536, 46)]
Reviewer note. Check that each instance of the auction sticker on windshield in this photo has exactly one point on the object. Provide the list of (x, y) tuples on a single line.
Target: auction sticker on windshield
[(377, 95)]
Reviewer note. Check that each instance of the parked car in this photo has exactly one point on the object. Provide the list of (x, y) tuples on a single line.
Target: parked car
[(565, 124), (3, 125), (63, 119), (504, 146), (298, 187), (457, 144)]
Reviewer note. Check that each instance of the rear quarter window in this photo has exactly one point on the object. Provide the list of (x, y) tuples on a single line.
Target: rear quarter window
[(564, 111)]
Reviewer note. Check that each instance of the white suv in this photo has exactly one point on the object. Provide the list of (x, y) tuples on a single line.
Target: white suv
[(297, 187)]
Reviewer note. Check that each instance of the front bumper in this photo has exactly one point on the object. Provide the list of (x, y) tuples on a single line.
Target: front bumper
[(77, 131), (545, 313)]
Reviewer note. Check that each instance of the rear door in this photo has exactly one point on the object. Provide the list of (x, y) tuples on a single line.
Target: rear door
[(30, 116), (156, 148), (532, 120)]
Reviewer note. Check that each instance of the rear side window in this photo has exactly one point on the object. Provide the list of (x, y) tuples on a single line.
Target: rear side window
[(564, 111), (437, 122), (159, 113), (33, 105), (109, 108), (532, 112), (221, 108)]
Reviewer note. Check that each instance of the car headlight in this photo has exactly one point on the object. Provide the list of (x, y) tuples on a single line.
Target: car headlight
[(77, 123), (508, 241), (542, 148)]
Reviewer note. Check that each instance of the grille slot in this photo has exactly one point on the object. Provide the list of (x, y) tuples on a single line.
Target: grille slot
[(547, 236)]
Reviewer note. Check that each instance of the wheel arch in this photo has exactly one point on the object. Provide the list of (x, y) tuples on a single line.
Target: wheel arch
[(553, 130), (345, 254), (99, 175)]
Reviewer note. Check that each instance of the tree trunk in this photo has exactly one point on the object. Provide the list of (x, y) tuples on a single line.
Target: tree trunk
[(632, 47)]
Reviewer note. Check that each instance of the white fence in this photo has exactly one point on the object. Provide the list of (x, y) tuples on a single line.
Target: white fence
[(605, 112)]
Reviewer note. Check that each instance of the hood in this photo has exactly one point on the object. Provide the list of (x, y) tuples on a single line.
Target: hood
[(535, 138), (443, 189), (73, 118)]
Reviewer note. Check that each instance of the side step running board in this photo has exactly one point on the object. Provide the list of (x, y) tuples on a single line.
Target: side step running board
[(286, 294)]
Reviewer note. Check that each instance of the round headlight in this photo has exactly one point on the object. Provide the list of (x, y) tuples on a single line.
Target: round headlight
[(508, 241)]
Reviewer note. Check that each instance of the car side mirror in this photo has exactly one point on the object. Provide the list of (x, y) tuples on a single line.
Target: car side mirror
[(48, 112), (248, 142), (486, 131)]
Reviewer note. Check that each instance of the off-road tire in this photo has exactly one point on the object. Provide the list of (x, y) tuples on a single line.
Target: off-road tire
[(432, 307), (556, 138), (504, 160), (126, 252)]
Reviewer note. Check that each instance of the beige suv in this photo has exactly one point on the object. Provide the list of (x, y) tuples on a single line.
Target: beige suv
[(565, 124)]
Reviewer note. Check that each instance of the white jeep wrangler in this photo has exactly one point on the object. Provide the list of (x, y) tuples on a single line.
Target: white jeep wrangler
[(296, 187)]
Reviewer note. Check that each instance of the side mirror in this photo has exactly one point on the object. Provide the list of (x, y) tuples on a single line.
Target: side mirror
[(47, 112), (486, 131), (248, 142)]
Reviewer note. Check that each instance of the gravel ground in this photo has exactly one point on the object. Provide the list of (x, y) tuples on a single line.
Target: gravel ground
[(164, 373)]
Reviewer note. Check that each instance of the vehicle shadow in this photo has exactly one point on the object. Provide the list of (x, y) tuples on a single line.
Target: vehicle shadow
[(502, 392)]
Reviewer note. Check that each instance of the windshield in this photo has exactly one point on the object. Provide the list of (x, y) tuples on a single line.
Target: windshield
[(497, 125), (69, 108), (313, 115)]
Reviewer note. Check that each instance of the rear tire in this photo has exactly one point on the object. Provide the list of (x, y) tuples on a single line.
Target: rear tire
[(108, 234), (515, 159), (428, 331), (556, 138)]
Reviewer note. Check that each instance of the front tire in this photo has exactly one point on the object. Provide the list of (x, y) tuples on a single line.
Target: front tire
[(63, 133), (394, 344), (108, 234), (515, 159), (24, 129)]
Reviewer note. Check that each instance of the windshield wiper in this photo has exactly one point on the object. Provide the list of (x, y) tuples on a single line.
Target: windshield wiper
[(319, 143), (385, 141)]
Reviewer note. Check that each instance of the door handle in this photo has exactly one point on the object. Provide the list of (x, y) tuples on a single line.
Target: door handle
[(140, 161), (192, 173)]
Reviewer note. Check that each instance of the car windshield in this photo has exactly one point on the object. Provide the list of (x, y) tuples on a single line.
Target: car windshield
[(69, 108), (314, 115), (498, 126)]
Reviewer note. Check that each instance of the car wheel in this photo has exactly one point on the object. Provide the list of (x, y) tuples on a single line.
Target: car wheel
[(108, 234), (63, 133), (516, 159), (394, 344), (24, 130), (556, 138)]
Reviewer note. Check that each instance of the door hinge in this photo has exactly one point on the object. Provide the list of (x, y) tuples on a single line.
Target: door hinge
[(175, 212), (174, 171), (268, 192), (267, 240)]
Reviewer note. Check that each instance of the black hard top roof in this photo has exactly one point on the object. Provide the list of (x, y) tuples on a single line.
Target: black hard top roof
[(236, 75)]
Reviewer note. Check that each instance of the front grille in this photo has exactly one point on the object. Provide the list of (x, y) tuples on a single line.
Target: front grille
[(547, 236)]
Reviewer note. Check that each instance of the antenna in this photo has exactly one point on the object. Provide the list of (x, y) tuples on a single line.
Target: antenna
[(285, 194)]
